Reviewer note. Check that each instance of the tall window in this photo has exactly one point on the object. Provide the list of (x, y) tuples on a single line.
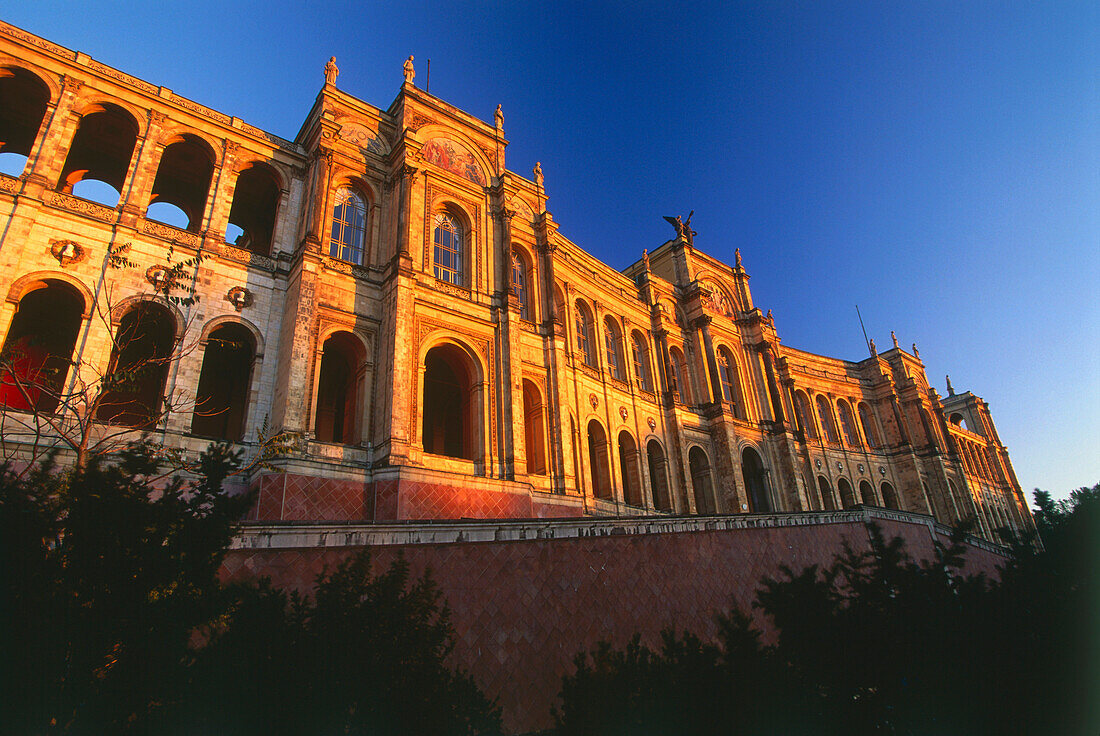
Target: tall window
[(519, 284), (727, 375), (826, 416), (584, 334), (641, 361), (867, 419), (678, 376), (802, 406), (448, 249), (614, 356), (847, 424), (349, 225)]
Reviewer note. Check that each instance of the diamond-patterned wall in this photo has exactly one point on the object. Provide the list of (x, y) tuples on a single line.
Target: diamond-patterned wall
[(523, 609)]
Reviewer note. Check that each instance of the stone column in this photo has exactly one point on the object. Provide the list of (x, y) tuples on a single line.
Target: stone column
[(512, 450), (702, 324)]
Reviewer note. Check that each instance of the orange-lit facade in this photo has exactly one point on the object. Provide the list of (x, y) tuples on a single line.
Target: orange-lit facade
[(384, 289)]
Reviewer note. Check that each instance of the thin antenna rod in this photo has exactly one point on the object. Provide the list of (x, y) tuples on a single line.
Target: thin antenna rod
[(428, 76), (863, 328)]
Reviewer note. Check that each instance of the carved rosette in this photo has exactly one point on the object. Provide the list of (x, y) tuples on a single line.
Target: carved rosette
[(594, 400)]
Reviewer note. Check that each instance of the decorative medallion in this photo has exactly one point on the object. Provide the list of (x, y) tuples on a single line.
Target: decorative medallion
[(652, 424), (66, 252), (160, 277), (594, 400), (817, 463), (860, 466), (839, 467), (881, 470), (239, 297), (623, 412)]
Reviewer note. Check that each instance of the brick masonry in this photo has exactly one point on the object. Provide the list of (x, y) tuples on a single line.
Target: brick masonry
[(526, 596)]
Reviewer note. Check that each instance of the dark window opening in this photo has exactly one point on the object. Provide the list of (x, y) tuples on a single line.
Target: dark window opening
[(221, 402), (38, 350), (701, 482), (534, 422), (133, 388), (866, 493), (658, 476), (628, 469), (99, 156), (598, 461), (752, 469), (450, 426), (252, 215), (889, 497), (337, 390), (23, 101), (827, 502), (847, 495), (183, 180)]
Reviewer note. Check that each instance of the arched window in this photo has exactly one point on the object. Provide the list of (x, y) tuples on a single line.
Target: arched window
[(24, 100), (701, 481), (826, 416), (889, 497), (847, 423), (452, 424), (584, 333), (449, 252), (867, 420), (641, 361), (252, 215), (681, 391), (752, 470), (99, 155), (628, 469), (614, 343), (598, 460), (658, 476), (847, 495), (349, 226), (805, 417), (134, 383), (221, 402), (182, 183), (534, 433), (826, 490), (38, 350), (727, 375), (867, 493), (519, 285), (338, 389)]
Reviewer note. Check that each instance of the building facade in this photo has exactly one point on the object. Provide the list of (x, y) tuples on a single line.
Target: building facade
[(386, 292)]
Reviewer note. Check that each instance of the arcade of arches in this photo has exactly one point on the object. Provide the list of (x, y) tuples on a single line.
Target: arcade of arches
[(385, 291)]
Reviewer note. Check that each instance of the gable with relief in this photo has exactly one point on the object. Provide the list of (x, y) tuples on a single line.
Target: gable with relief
[(448, 155)]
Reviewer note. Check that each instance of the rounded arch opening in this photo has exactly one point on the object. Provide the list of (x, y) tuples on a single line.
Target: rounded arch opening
[(658, 476), (99, 156), (183, 181), (348, 235), (867, 494), (37, 353), (847, 495), (889, 496), (134, 383), (628, 469), (336, 417), (826, 491), (701, 481), (451, 245), (24, 98), (752, 471), (598, 460), (252, 214), (534, 432), (452, 405), (221, 399)]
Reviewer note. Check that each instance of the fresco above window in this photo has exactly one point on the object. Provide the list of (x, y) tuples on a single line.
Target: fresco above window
[(449, 155)]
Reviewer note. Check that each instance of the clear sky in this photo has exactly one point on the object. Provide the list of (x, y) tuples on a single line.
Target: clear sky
[(937, 163)]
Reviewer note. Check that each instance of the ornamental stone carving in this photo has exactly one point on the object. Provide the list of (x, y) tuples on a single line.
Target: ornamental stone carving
[(66, 252), (239, 297)]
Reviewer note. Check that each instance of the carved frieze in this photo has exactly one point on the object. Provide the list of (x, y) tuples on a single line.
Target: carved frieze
[(168, 232), (246, 256), (8, 183), (83, 207), (122, 77), (221, 117)]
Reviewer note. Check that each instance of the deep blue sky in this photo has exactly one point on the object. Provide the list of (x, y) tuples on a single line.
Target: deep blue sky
[(936, 162)]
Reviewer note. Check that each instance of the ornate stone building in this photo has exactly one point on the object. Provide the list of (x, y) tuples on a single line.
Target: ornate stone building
[(385, 289)]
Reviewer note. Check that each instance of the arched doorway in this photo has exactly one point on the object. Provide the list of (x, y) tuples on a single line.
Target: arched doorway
[(221, 401), (658, 476), (827, 502), (338, 389), (867, 493), (598, 461), (701, 481), (889, 496), (451, 406), (847, 495), (534, 435), (38, 349), (134, 384), (752, 470), (628, 469)]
